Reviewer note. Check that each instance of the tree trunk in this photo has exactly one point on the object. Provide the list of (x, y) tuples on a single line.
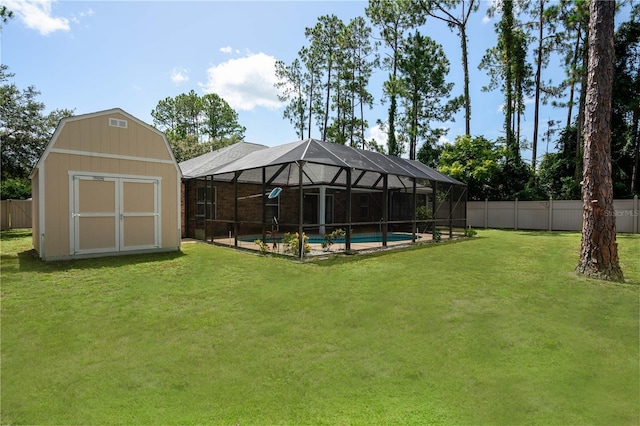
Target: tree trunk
[(364, 142), (574, 65), (506, 35), (311, 90), (326, 108), (465, 66), (536, 112), (636, 152), (599, 250)]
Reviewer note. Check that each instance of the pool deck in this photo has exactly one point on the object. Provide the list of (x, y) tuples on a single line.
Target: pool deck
[(317, 250)]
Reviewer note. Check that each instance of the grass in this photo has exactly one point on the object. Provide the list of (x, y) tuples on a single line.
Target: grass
[(493, 330)]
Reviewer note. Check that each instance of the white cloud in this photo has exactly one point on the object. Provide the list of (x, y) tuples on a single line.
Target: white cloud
[(245, 83), (378, 134), (179, 76), (227, 49), (38, 15), (496, 6), (443, 140)]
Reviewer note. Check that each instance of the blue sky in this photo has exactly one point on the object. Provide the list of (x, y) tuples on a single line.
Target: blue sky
[(92, 56)]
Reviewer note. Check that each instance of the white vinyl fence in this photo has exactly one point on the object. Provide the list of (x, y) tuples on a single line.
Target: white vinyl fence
[(15, 214), (551, 215)]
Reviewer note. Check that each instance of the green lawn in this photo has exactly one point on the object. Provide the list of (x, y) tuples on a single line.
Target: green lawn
[(492, 330)]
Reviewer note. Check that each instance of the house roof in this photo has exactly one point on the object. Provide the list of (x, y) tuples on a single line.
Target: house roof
[(205, 164), (324, 163)]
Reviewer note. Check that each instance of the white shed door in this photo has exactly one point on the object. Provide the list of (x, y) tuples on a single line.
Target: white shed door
[(139, 214), (111, 214)]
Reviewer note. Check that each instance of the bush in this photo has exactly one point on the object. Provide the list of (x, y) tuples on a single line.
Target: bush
[(262, 246), (15, 189), (470, 232), (292, 241), (330, 239)]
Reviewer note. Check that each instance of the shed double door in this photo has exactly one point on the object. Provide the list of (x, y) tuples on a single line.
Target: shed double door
[(112, 214)]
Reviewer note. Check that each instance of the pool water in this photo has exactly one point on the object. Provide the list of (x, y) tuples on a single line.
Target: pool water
[(355, 239)]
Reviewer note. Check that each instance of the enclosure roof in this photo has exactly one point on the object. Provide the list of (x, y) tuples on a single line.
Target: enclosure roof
[(215, 159), (331, 156)]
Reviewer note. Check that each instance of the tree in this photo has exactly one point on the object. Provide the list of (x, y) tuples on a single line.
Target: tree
[(475, 161), (24, 127), (323, 38), (625, 122), (311, 84), (542, 53), (364, 59), (443, 10), (599, 250), (355, 64), (557, 169), (219, 120), (572, 43), (197, 124), (429, 154), (15, 189), (423, 68), (5, 14), (393, 18), (291, 86), (507, 68)]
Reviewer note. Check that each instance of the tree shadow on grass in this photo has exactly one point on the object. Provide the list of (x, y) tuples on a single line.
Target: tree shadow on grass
[(15, 234), (30, 262), (543, 233)]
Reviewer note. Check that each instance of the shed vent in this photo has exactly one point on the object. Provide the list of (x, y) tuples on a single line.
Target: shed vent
[(118, 123)]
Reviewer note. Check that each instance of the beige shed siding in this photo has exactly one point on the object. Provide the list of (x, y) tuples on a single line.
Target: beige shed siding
[(96, 135), (57, 197), (35, 212)]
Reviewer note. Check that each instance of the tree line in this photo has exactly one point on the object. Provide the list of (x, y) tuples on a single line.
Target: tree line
[(325, 91), (326, 94)]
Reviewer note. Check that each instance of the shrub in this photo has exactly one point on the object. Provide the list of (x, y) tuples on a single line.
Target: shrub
[(330, 239), (15, 189), (292, 241), (262, 246), (470, 232)]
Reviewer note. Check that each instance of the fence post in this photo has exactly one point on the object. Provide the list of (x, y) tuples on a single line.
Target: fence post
[(486, 213), (550, 213), (515, 219), (9, 215), (635, 214)]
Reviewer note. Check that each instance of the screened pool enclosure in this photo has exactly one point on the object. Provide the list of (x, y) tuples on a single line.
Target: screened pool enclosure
[(314, 188)]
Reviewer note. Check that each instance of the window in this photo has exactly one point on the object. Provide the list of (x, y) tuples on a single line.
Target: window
[(364, 206), (115, 122), (328, 215), (205, 204)]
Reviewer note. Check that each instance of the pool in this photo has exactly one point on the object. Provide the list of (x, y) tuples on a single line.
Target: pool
[(355, 239)]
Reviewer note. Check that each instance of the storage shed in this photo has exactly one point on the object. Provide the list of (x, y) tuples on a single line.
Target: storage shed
[(106, 184)]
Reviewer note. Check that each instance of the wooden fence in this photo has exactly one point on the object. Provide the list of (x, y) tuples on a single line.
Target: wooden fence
[(15, 214), (551, 215)]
